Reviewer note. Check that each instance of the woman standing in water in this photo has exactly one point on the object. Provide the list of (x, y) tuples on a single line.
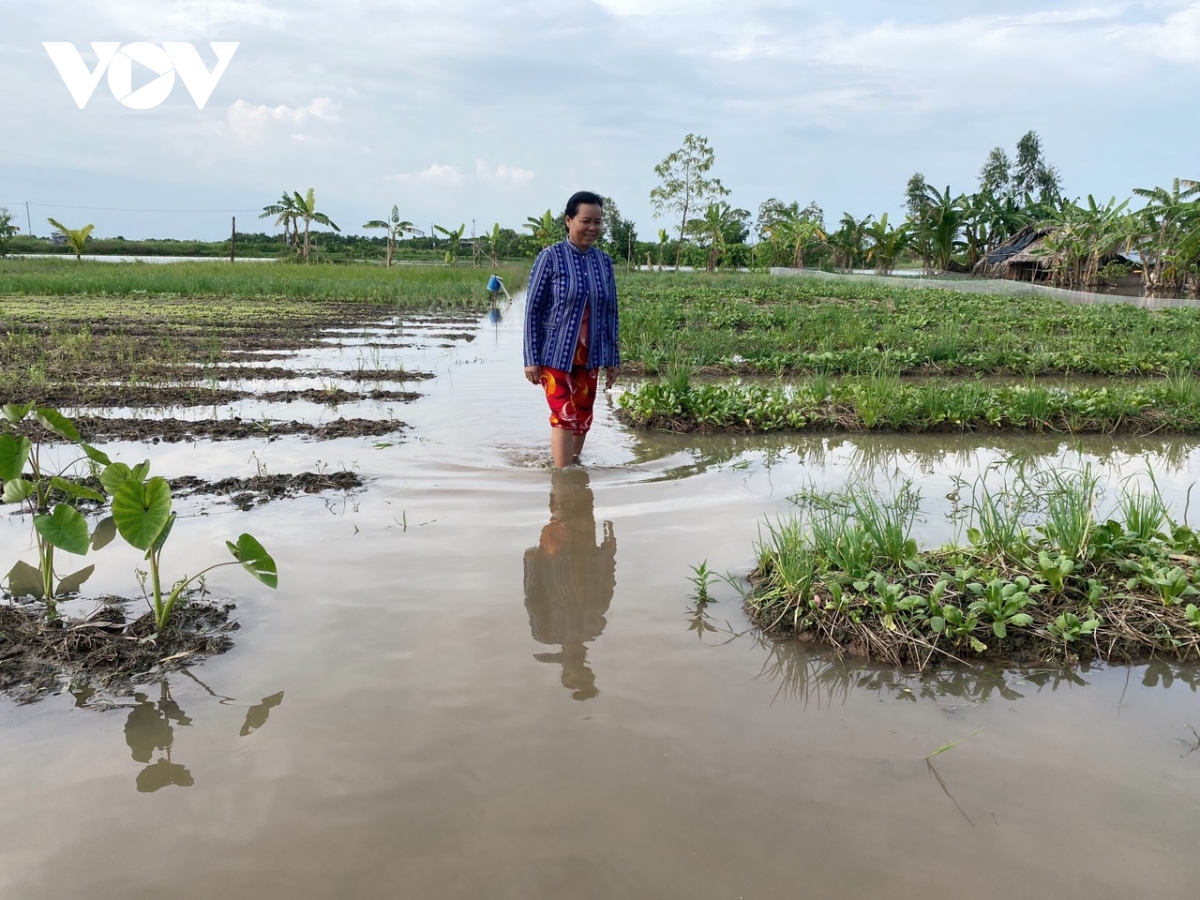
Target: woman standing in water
[(571, 326)]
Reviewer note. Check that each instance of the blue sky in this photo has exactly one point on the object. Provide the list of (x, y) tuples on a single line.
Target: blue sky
[(458, 110)]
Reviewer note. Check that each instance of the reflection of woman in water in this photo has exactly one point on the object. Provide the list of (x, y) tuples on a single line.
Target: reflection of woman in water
[(569, 580)]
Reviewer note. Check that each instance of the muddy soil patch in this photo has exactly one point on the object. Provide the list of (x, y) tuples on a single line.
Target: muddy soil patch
[(113, 648), (337, 396), (171, 430), (246, 493)]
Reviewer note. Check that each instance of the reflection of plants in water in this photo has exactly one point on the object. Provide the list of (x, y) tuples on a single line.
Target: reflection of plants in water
[(149, 731)]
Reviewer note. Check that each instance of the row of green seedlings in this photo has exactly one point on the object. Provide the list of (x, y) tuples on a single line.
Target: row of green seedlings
[(786, 329), (410, 287), (1039, 575), (138, 506), (885, 402)]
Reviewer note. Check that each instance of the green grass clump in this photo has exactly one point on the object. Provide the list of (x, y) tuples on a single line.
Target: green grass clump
[(1064, 585)]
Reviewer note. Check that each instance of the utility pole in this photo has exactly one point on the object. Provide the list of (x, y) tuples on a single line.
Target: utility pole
[(28, 221), (232, 239)]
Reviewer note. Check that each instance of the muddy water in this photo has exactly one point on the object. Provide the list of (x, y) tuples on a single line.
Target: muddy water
[(477, 680)]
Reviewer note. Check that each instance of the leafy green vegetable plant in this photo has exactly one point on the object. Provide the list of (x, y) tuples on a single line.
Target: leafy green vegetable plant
[(51, 495)]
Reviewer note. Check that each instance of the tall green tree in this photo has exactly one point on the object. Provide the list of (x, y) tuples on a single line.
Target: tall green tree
[(1032, 174), (396, 228), (7, 229), (848, 242), (76, 237), (996, 175), (686, 185), (942, 225), (306, 211)]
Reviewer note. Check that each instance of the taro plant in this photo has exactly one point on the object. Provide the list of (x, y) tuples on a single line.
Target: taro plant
[(141, 509), (52, 495)]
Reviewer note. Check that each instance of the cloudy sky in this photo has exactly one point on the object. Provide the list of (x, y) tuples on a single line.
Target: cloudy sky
[(461, 110)]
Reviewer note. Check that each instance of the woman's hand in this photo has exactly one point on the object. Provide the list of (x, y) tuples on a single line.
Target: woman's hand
[(610, 376), (533, 374)]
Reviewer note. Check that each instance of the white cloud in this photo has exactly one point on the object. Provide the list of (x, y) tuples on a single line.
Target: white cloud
[(503, 173), (252, 123), (1177, 38), (435, 174)]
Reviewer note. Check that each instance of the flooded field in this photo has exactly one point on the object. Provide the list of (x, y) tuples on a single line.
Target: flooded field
[(479, 680)]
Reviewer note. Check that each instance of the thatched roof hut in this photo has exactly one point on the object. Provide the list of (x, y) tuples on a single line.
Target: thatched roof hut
[(1024, 257)]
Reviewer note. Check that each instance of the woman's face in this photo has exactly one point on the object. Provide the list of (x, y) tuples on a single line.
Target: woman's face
[(584, 227)]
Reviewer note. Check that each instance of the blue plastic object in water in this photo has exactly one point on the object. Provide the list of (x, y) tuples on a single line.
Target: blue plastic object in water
[(494, 284)]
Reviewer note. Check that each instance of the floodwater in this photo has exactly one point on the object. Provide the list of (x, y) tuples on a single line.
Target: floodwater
[(478, 680)]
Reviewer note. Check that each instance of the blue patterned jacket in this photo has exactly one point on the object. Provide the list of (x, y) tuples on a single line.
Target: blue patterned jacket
[(563, 281)]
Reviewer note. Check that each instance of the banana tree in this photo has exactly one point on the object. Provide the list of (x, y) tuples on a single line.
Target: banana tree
[(454, 236), (546, 230), (396, 228), (493, 238), (76, 237), (306, 210), (847, 241), (943, 222), (711, 228), (887, 243), (794, 231), (1168, 235)]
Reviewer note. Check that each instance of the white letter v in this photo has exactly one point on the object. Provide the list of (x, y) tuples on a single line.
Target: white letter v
[(196, 78), (79, 81)]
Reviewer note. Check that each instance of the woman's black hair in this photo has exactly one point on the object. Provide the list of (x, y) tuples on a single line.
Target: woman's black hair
[(581, 197)]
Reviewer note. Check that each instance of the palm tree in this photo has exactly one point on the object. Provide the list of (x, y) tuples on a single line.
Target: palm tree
[(455, 238), (396, 228), (306, 209), (887, 243), (76, 237), (793, 230), (286, 212)]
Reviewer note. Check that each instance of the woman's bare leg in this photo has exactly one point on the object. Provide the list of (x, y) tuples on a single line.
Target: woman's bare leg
[(562, 447)]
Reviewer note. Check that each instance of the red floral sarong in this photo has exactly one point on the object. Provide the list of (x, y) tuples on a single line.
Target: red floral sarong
[(571, 394)]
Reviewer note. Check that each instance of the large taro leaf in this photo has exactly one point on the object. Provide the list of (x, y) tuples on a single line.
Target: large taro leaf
[(18, 490), (25, 581), (256, 560), (65, 528), (78, 491), (72, 583), (115, 475), (98, 456), (58, 423), (14, 453), (15, 412), (142, 510)]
